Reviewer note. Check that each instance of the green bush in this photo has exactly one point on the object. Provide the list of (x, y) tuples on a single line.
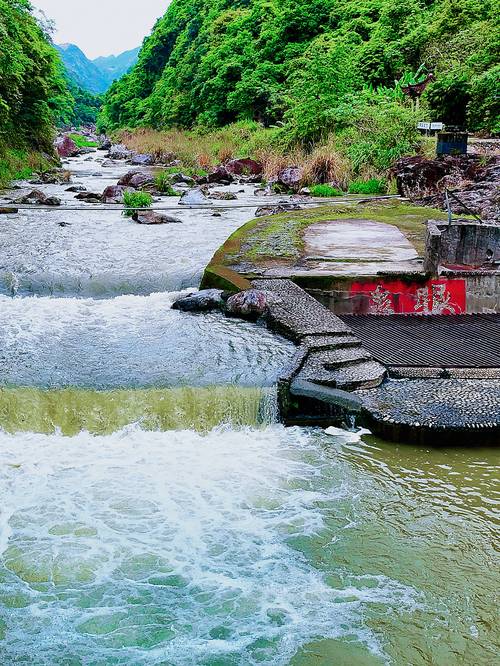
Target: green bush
[(162, 182), (372, 186), (325, 191), (134, 200), (82, 141)]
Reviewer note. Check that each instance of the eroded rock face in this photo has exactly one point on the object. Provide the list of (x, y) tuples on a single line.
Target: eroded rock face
[(249, 304), (244, 167), (66, 147), (154, 217), (201, 301), (473, 179)]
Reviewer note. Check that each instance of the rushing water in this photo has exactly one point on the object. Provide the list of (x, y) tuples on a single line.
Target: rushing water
[(153, 513)]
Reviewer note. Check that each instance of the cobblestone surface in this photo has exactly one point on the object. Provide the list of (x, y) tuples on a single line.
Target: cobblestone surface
[(436, 403)]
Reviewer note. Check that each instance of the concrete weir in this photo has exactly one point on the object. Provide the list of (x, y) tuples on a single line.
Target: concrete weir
[(333, 378)]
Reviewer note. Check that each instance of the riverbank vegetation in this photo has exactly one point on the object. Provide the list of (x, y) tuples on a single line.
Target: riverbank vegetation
[(33, 92), (297, 78)]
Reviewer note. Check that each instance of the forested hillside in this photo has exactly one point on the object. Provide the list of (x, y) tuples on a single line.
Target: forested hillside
[(310, 64), (33, 89)]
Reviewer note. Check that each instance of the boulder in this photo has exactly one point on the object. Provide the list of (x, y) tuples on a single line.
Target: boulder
[(275, 210), (193, 198), (176, 178), (244, 167), (119, 152), (201, 301), (154, 217), (55, 177), (86, 150), (223, 196), (142, 160), (141, 179), (89, 197), (114, 194), (220, 175), (249, 304), (136, 178), (473, 179), (104, 143), (288, 179), (30, 197), (76, 188), (52, 201), (65, 146)]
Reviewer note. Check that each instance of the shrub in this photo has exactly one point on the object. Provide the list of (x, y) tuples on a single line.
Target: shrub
[(82, 141), (325, 191), (134, 200), (162, 182), (372, 186)]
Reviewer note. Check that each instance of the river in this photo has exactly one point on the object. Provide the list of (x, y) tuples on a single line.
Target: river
[(154, 512)]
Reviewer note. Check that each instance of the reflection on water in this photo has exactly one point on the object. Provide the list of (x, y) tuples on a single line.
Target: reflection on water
[(245, 546)]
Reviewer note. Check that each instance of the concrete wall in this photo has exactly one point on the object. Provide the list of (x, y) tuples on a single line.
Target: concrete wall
[(456, 292)]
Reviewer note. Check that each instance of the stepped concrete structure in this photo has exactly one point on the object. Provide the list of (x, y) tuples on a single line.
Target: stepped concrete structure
[(395, 313)]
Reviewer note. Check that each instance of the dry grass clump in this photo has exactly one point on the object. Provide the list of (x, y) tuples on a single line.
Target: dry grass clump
[(325, 165)]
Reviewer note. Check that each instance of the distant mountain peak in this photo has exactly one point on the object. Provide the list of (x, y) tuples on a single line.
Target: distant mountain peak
[(95, 75)]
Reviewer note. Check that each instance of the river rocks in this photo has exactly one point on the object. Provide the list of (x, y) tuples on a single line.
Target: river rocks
[(104, 143), (249, 304), (65, 146), (223, 196), (137, 179), (220, 175), (142, 160), (474, 180), (154, 217), (201, 301), (288, 179), (35, 197), (181, 178), (89, 197), (114, 194), (119, 152), (244, 167), (193, 198), (76, 188), (276, 210)]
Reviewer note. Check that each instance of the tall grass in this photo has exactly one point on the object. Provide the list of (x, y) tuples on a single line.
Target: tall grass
[(21, 165)]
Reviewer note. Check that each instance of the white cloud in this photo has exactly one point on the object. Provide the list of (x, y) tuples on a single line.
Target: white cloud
[(102, 27)]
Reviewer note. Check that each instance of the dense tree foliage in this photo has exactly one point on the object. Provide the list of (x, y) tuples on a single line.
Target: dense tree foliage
[(305, 62), (33, 90)]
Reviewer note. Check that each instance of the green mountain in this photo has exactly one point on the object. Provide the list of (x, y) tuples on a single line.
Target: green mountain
[(307, 63), (95, 75), (115, 66)]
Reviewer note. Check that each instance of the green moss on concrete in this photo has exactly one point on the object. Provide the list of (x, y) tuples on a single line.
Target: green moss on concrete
[(278, 239)]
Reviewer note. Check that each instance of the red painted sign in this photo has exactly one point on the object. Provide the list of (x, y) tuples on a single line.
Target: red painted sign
[(398, 297)]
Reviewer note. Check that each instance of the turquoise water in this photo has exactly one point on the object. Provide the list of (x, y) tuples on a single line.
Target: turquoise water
[(244, 546)]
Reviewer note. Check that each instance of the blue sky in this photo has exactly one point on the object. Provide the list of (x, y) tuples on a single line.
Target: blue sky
[(102, 27)]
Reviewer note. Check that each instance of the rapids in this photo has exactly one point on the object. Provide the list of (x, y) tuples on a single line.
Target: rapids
[(152, 511)]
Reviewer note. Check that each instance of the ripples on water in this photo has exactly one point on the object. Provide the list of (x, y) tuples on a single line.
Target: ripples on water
[(242, 547), (150, 544)]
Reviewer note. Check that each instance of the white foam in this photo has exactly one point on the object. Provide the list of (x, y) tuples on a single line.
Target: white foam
[(172, 547)]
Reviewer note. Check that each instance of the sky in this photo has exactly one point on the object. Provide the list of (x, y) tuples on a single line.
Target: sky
[(102, 27)]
